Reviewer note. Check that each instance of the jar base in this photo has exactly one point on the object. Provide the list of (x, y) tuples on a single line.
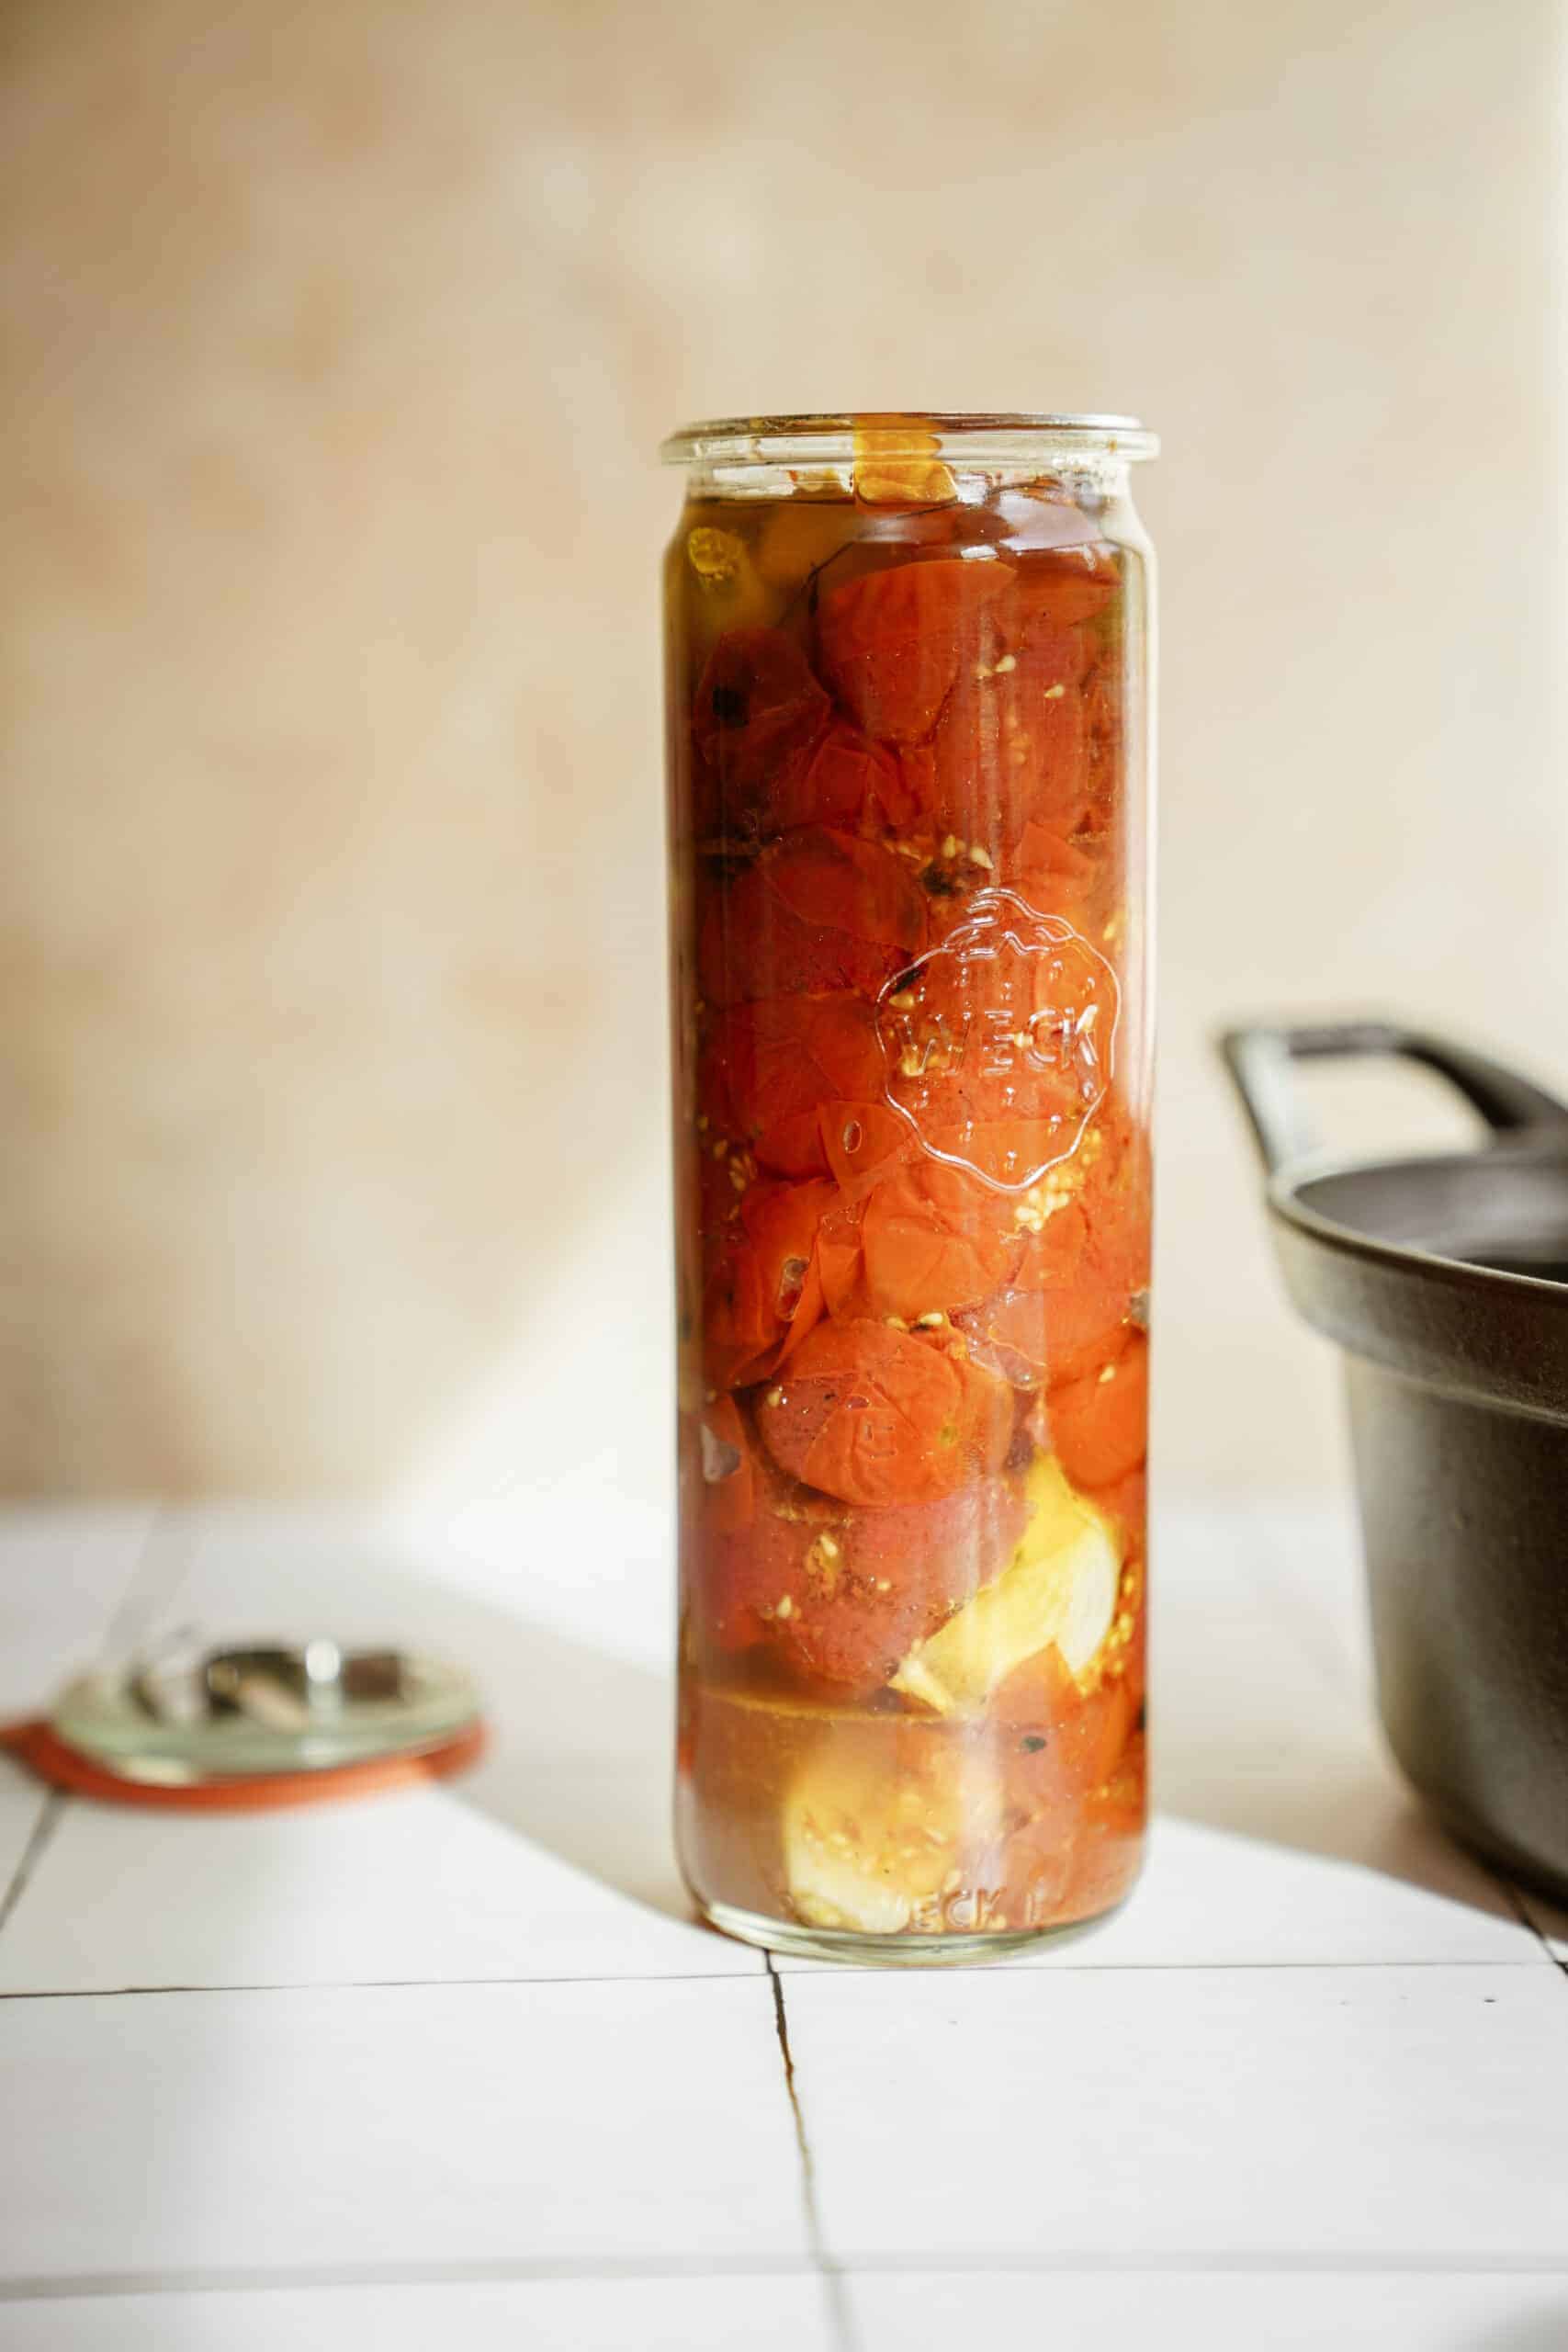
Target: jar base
[(849, 1947)]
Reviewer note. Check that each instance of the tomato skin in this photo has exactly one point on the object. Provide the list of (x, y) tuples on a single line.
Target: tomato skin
[(769, 1067), (862, 1142), (1065, 586), (1085, 1732), (850, 784), (764, 1290), (1090, 1259), (818, 911), (894, 642), (930, 1240), (862, 1587), (879, 1416), (757, 719), (1098, 1420), (1052, 875), (1006, 1332), (1127, 1501), (1011, 745), (976, 672)]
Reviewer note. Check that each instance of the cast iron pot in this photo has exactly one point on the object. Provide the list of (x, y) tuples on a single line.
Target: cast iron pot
[(1445, 1279)]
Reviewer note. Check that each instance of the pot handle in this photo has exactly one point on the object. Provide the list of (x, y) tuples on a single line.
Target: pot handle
[(1259, 1057)]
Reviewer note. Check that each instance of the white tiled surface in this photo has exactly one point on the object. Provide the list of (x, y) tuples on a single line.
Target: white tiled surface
[(1320, 2111), (751, 2313), (331, 2128), (1277, 2310), (456, 2066)]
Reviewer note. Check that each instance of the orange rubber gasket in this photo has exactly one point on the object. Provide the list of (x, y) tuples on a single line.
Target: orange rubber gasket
[(41, 1747)]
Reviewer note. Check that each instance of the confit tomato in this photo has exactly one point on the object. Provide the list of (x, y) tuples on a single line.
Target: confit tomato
[(816, 912), (1085, 1247), (1076, 1258), (924, 1239), (1007, 1333), (1083, 1732), (879, 1416), (757, 719), (979, 673), (768, 1070), (850, 784), (763, 1291), (1127, 1501), (1099, 1419), (839, 1595), (1011, 745), (895, 642), (1052, 875), (1065, 586), (1066, 1748)]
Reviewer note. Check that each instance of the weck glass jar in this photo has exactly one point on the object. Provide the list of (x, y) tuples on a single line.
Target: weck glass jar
[(909, 739)]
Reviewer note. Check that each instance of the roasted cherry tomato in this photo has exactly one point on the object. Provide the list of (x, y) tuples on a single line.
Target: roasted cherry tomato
[(769, 1067), (843, 1595), (757, 719), (1127, 1501), (1007, 1333), (1098, 1420), (1084, 1732), (862, 1142), (1066, 1746), (1011, 745), (1086, 1242), (929, 1239), (895, 642), (818, 911), (879, 1416), (852, 784), (764, 1290), (1065, 586), (1053, 876)]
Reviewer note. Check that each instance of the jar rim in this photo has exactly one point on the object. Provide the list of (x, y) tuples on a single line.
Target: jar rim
[(824, 438)]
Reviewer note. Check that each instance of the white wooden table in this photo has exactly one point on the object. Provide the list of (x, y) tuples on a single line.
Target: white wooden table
[(455, 2068)]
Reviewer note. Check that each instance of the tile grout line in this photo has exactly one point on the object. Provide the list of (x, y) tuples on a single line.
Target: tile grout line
[(52, 1805), (981, 1971), (52, 1808), (55, 1800), (1200, 2262), (382, 1984), (840, 2320)]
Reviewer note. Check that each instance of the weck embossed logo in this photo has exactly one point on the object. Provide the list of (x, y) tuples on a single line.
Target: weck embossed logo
[(998, 1043)]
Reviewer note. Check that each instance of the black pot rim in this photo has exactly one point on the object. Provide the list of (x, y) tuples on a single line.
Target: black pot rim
[(1283, 1194), (1468, 1330)]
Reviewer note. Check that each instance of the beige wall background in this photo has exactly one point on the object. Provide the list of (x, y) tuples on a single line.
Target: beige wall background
[(331, 1153)]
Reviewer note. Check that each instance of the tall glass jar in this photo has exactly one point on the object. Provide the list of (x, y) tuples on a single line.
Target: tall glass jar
[(909, 755)]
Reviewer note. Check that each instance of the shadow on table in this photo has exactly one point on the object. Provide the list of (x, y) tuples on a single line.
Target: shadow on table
[(1544, 2329), (1265, 1727), (1338, 1804), (582, 1740)]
